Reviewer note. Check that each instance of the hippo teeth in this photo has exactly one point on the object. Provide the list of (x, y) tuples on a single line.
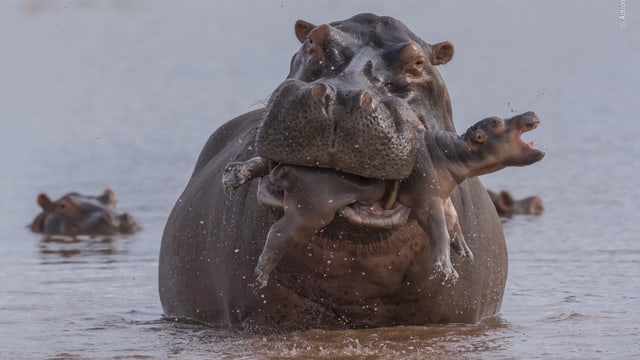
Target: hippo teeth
[(530, 144), (392, 195)]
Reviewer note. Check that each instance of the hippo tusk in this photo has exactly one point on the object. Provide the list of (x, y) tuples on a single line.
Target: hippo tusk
[(392, 195)]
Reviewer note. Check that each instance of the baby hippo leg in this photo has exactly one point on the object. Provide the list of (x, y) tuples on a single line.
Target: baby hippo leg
[(458, 244), (432, 220), (238, 173), (295, 227), (312, 197)]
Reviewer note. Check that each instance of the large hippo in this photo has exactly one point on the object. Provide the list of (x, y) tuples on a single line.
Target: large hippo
[(347, 275), (76, 214)]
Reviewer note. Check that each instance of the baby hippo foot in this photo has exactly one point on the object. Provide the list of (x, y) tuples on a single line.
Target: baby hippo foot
[(444, 269), (266, 264), (456, 239), (238, 173), (235, 174), (460, 247), (262, 279)]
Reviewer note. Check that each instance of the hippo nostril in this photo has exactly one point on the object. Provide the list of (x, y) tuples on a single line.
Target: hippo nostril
[(319, 92), (365, 100), (536, 207)]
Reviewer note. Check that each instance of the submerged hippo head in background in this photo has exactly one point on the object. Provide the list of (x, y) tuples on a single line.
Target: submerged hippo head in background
[(75, 214), (357, 93), (507, 206)]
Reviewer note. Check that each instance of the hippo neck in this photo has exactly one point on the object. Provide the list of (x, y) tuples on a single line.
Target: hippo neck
[(436, 113), (450, 154)]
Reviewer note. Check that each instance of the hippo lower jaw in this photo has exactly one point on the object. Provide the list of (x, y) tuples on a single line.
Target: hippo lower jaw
[(374, 215), (371, 215)]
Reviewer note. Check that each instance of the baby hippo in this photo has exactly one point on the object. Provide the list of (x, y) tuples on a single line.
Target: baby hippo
[(313, 196), (75, 214)]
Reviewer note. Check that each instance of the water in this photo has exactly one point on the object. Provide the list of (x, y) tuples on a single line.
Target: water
[(124, 93)]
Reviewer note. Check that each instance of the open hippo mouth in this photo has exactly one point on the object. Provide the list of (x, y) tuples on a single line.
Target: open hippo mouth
[(383, 213), (503, 139), (520, 124)]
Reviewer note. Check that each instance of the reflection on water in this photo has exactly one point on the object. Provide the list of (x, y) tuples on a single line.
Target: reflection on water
[(124, 94), (80, 249)]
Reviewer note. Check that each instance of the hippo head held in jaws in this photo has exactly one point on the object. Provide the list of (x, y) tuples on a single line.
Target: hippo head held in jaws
[(354, 98), (75, 214), (354, 101)]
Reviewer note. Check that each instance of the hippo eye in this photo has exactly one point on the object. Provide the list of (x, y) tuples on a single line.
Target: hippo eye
[(496, 123), (62, 206)]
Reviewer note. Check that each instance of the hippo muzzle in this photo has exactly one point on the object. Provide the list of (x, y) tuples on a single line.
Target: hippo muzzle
[(351, 130)]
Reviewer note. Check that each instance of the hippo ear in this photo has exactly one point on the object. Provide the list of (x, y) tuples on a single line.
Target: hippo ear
[(302, 29), (441, 53), (108, 198), (505, 200), (44, 202), (479, 136)]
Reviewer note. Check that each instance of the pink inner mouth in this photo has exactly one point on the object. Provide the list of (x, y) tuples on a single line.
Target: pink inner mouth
[(373, 215), (363, 214), (524, 129)]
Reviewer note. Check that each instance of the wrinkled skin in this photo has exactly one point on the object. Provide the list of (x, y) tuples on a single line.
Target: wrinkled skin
[(347, 275), (507, 206), (312, 197), (75, 214)]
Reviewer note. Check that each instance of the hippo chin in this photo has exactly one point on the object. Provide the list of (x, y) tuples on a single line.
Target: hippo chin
[(367, 85), (75, 214)]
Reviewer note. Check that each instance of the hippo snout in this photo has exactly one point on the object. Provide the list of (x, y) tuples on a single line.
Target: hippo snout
[(128, 224), (526, 121), (330, 125)]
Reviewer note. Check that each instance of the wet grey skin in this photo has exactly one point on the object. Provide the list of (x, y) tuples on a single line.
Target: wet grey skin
[(74, 214), (312, 197), (369, 84)]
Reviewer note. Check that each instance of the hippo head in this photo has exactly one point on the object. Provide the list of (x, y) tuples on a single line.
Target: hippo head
[(355, 96), (507, 206), (75, 214), (498, 143)]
